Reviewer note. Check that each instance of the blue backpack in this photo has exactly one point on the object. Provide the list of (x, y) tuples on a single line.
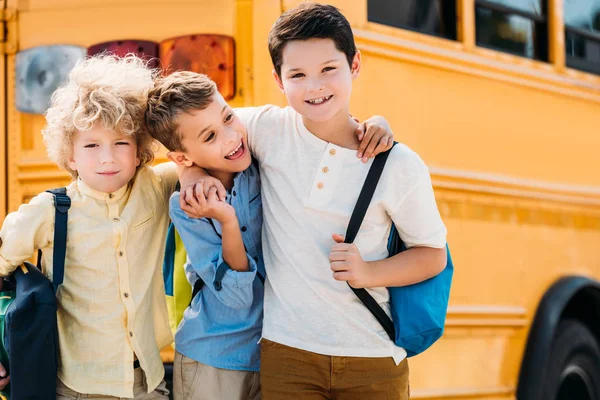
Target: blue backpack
[(419, 310)]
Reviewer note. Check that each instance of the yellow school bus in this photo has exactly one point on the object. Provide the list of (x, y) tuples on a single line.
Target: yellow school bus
[(501, 98)]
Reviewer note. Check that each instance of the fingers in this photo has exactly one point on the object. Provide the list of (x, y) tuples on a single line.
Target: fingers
[(384, 145), (342, 276), (221, 192), (375, 137), (212, 197), (363, 133), (360, 131), (338, 238)]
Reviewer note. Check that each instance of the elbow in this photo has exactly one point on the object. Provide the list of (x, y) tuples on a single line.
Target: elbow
[(439, 261)]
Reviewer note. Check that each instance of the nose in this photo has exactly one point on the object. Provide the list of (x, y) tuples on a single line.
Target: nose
[(315, 85), (106, 155), (231, 136)]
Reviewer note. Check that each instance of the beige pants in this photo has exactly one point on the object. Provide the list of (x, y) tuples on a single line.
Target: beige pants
[(140, 390), (196, 381)]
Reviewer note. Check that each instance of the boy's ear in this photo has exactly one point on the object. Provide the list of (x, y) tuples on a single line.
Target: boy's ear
[(278, 81), (356, 62), (72, 163), (179, 158)]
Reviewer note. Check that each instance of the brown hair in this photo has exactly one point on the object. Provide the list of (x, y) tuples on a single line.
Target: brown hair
[(172, 95), (311, 21)]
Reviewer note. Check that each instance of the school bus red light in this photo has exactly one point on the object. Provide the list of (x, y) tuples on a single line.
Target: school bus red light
[(212, 55)]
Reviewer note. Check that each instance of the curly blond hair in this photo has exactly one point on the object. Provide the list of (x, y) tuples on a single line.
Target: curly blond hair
[(106, 90)]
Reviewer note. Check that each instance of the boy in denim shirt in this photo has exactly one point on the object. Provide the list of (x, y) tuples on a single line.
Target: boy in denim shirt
[(217, 355)]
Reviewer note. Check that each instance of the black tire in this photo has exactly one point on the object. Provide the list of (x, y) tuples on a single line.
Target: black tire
[(573, 371)]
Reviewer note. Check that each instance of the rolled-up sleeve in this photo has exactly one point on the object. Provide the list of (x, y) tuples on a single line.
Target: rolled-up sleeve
[(205, 256), (29, 228)]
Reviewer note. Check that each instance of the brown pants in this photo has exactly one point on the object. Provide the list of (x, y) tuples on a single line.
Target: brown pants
[(287, 372), (140, 390)]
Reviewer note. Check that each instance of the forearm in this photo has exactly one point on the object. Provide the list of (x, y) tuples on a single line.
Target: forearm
[(234, 252), (408, 267), (190, 175)]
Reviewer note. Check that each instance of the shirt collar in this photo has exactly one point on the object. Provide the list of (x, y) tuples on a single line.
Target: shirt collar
[(107, 197)]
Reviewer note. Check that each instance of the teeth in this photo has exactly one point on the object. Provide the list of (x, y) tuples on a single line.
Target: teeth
[(236, 149), (319, 100)]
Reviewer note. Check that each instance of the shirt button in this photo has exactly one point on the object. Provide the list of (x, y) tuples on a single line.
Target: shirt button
[(234, 193), (332, 152), (120, 254), (110, 196), (325, 170), (244, 229), (130, 333), (126, 294), (116, 219), (320, 185)]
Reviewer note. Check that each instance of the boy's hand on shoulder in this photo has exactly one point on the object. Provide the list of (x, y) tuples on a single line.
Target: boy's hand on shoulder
[(201, 188), (209, 206), (376, 136), (347, 264), (5, 380)]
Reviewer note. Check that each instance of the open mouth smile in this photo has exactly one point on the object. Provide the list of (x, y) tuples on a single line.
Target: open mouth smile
[(319, 100), (237, 152)]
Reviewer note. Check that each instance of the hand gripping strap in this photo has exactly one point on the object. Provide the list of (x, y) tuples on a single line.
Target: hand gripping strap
[(356, 219)]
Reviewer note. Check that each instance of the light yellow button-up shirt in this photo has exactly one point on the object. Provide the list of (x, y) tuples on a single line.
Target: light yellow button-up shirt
[(111, 304)]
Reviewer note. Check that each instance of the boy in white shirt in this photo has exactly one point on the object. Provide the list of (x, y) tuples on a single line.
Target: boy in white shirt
[(319, 340)]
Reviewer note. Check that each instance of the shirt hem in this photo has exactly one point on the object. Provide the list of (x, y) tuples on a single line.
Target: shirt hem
[(396, 353), (216, 364)]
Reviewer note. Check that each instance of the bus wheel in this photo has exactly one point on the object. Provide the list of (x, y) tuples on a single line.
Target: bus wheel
[(574, 365)]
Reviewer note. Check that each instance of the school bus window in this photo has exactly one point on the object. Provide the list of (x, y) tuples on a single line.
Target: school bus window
[(513, 26), (582, 35), (433, 17)]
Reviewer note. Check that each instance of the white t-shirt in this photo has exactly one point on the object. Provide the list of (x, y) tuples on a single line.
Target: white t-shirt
[(309, 189)]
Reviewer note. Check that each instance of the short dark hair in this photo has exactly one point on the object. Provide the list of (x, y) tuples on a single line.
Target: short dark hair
[(172, 95), (311, 21)]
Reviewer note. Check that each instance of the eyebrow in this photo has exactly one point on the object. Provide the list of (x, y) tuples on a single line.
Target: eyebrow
[(326, 62)]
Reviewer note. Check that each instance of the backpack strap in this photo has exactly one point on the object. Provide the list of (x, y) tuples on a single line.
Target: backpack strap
[(62, 203), (356, 219)]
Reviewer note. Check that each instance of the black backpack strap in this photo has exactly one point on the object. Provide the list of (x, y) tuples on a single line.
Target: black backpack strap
[(62, 203), (356, 219)]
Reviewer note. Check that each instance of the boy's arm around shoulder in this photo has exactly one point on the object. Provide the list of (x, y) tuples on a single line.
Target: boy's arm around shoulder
[(29, 228), (205, 253)]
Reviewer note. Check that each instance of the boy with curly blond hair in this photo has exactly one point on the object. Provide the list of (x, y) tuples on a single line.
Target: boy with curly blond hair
[(112, 317)]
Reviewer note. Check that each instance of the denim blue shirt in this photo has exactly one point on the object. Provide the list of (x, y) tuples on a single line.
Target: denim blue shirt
[(223, 324)]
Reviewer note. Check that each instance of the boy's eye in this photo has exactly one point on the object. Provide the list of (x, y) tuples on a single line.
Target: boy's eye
[(229, 117), (210, 136), (298, 75), (90, 146), (327, 69), (123, 143)]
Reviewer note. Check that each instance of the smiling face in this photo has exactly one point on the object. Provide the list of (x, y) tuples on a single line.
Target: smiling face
[(104, 160), (316, 78), (214, 139)]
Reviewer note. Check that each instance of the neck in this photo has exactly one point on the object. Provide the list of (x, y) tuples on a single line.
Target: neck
[(226, 178), (339, 130)]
